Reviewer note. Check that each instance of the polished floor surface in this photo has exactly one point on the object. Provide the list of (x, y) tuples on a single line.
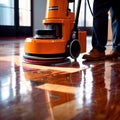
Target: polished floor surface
[(70, 91)]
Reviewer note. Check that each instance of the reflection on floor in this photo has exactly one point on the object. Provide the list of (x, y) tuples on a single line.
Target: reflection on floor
[(74, 91)]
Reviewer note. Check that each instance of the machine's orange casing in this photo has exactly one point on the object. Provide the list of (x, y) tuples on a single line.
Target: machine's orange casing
[(56, 12)]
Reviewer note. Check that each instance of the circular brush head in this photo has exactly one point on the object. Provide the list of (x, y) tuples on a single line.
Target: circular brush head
[(46, 62)]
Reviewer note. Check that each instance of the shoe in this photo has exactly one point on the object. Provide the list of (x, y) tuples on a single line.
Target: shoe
[(93, 55), (113, 54)]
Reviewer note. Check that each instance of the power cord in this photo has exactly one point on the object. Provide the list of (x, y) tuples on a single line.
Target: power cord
[(92, 15), (90, 7)]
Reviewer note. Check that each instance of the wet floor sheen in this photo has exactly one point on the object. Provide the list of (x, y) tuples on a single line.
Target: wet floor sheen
[(73, 91)]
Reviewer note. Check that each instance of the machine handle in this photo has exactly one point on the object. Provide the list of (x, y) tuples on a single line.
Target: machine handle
[(77, 15), (74, 34)]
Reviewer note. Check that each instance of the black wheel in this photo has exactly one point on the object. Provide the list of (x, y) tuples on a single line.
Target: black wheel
[(74, 48)]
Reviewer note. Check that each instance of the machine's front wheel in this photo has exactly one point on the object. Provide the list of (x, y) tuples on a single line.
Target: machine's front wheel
[(74, 48)]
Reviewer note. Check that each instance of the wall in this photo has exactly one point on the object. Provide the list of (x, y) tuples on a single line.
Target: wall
[(39, 9)]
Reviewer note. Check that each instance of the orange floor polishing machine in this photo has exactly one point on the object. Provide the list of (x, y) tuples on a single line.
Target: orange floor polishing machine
[(60, 37)]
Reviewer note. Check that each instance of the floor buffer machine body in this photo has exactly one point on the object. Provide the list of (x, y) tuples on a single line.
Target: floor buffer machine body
[(60, 37)]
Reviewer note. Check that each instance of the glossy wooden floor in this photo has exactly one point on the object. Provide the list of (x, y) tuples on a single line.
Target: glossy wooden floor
[(74, 91)]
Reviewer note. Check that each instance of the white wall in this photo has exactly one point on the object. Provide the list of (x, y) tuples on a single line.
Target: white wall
[(39, 9)]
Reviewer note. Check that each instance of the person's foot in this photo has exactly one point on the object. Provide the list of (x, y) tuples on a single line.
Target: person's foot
[(113, 54), (93, 55)]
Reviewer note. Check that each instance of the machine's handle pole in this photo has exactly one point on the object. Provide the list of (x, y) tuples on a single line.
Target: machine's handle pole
[(77, 15)]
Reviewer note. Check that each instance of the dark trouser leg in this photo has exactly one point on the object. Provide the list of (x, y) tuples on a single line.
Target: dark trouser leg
[(115, 16), (100, 24)]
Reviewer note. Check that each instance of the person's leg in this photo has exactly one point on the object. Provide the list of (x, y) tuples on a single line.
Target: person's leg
[(100, 24), (115, 18), (100, 30)]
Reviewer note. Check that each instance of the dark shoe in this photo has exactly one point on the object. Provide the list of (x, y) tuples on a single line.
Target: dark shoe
[(93, 55), (113, 54)]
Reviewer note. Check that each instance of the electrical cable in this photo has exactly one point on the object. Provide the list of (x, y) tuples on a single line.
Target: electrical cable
[(90, 7), (92, 15)]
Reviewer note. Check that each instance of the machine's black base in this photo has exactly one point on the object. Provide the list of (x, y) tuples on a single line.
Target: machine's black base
[(45, 61)]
